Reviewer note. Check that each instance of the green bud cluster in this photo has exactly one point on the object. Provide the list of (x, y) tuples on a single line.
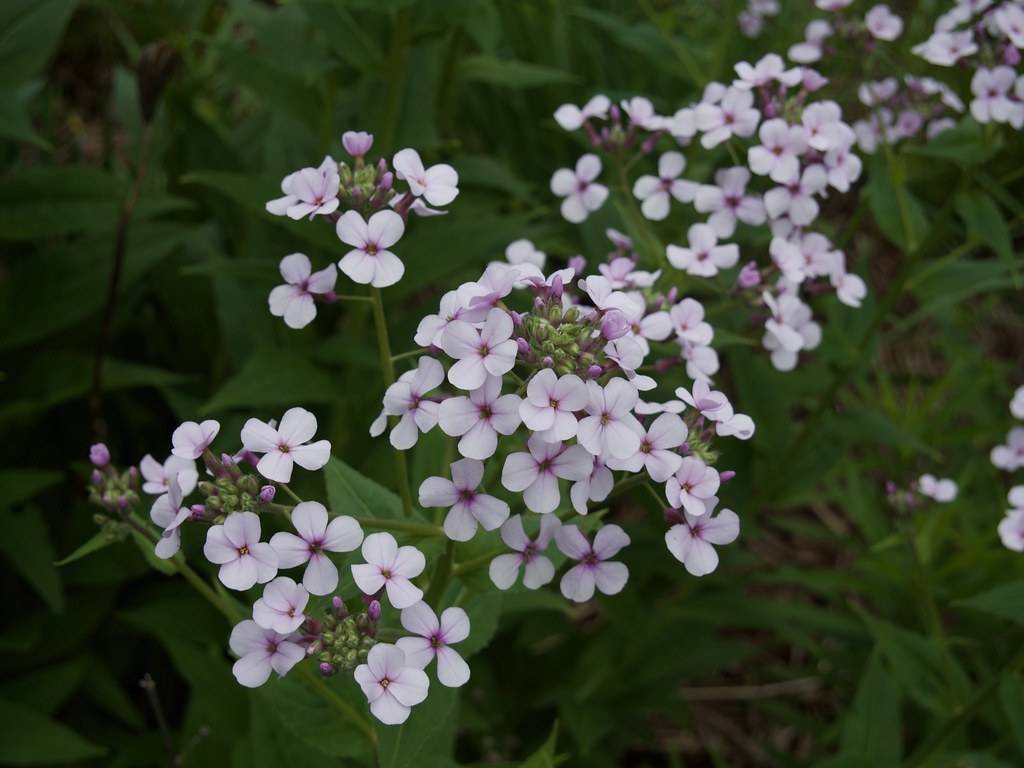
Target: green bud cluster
[(112, 529), (561, 340), (701, 449), (113, 490), (345, 642), (230, 494), (360, 187)]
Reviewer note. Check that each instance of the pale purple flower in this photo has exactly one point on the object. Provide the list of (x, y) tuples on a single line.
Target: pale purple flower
[(796, 199), (739, 425), (490, 350), (466, 506), (1011, 530), (658, 449), (701, 360), (728, 201), (735, 115), (479, 418), (438, 184), (1010, 456), (657, 191), (991, 89), (390, 567), (286, 445), (455, 305), (594, 568), (550, 406), (535, 473), (190, 440), (357, 143), (850, 288), (778, 154), (692, 485), (523, 252), (789, 330), (946, 48), (1009, 17), (883, 24), (407, 398), (843, 166), (1017, 404), (236, 547), (640, 112), (308, 192), (370, 261), (1016, 497), (810, 50), (688, 320), (262, 651), (538, 570), (168, 513), (391, 685), (434, 640), (583, 195), (594, 487), (610, 428), (294, 301), (157, 477), (316, 536), (282, 607), (711, 404), (649, 409), (823, 126), (939, 489), (769, 69), (704, 257), (691, 542), (570, 117)]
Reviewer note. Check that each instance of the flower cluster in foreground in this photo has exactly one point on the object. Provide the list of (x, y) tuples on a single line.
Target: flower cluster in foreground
[(1009, 457)]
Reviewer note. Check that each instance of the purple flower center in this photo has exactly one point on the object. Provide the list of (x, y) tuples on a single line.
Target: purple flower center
[(590, 559)]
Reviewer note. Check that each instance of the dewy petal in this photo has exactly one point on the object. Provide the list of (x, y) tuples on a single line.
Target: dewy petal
[(452, 669), (578, 584), (504, 569)]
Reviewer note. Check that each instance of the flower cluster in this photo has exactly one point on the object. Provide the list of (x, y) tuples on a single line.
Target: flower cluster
[(1009, 457), (751, 19), (369, 213)]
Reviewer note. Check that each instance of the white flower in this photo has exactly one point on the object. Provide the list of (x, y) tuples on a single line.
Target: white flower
[(294, 300), (946, 48), (789, 330), (1010, 457), (733, 116), (705, 257), (467, 507), (308, 192), (316, 537), (991, 89), (739, 426), (434, 640), (551, 403), (778, 154), (688, 320), (282, 607), (691, 542), (657, 452), (570, 117), (1017, 404), (190, 439), (610, 428), (480, 418), (940, 489), (262, 651), (582, 194), (390, 684), (523, 252), (593, 569), (692, 485), (656, 191), (370, 261), (769, 68), (883, 24), (389, 567), (455, 305), (236, 547), (407, 398), (711, 404), (728, 201), (796, 199), (536, 473), (168, 513), (1009, 17), (438, 184), (538, 569), (1011, 530), (595, 487), (286, 445), (490, 350), (157, 477)]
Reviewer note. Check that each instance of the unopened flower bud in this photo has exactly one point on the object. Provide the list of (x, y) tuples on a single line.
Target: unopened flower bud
[(749, 276), (96, 477), (338, 607), (595, 371), (557, 289), (523, 345), (326, 669), (267, 493), (726, 475), (357, 143), (198, 511), (387, 181), (99, 455), (207, 488), (373, 610), (674, 516), (1011, 56), (547, 361)]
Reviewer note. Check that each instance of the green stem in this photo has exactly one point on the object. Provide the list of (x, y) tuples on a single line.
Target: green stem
[(294, 496), (350, 297), (387, 366), (404, 355), (401, 526), (316, 683)]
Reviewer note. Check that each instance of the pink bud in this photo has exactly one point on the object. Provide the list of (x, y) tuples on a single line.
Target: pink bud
[(547, 362), (595, 371), (614, 325), (99, 455), (749, 276), (726, 475), (674, 516), (326, 669), (1011, 56), (338, 607), (267, 493), (357, 143), (373, 610), (387, 181), (523, 345), (97, 477)]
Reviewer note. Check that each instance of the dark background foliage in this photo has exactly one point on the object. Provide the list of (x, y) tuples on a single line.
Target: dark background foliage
[(835, 633)]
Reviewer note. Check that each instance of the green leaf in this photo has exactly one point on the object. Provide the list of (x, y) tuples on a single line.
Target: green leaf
[(20, 485), (29, 738), (965, 144), (95, 544), (545, 756), (1006, 601), (898, 213), (484, 611), (26, 543), (870, 733), (1011, 695), (510, 73), (428, 733), (985, 222), (273, 378), (15, 121), (31, 30), (350, 493)]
